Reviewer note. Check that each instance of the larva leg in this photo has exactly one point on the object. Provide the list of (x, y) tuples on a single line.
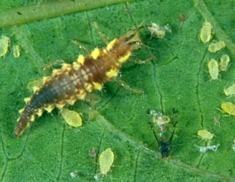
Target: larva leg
[(75, 42), (102, 36), (126, 86), (56, 63), (143, 61)]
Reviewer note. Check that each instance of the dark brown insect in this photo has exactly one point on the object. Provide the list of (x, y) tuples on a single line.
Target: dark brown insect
[(74, 81)]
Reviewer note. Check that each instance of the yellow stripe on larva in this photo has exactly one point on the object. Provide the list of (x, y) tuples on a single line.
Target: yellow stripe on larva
[(111, 45), (49, 108), (97, 86), (88, 87), (124, 58), (81, 59), (213, 69), (95, 53), (228, 107), (112, 73)]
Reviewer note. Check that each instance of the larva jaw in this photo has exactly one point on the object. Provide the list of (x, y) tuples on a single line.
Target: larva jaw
[(132, 38)]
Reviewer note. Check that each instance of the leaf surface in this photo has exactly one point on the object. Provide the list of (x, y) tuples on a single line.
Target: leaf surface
[(176, 82)]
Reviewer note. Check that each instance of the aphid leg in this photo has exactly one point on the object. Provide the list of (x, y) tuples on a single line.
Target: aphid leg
[(217, 120), (102, 36), (126, 86)]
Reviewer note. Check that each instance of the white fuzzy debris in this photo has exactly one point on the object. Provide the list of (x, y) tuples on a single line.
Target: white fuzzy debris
[(159, 31), (159, 118), (208, 148), (73, 174)]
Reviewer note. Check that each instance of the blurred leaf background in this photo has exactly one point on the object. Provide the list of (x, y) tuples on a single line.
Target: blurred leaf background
[(176, 82)]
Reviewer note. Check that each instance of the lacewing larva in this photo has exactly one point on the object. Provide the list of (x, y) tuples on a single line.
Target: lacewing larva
[(206, 32), (106, 159), (224, 61), (205, 134), (4, 44), (216, 46), (74, 81), (213, 68), (228, 107), (230, 91)]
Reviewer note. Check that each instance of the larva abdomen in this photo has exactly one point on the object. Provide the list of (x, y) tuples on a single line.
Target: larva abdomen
[(73, 81)]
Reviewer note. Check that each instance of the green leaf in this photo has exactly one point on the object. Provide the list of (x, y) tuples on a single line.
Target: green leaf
[(176, 82)]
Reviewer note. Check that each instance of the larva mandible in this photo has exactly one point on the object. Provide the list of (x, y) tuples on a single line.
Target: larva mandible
[(74, 81)]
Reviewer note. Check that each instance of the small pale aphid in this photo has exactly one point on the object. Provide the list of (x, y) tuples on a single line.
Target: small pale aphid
[(206, 32), (4, 44), (209, 147), (71, 117), (228, 107), (224, 61), (213, 69), (161, 120), (106, 160), (205, 135), (230, 90), (158, 118), (16, 51), (216, 46)]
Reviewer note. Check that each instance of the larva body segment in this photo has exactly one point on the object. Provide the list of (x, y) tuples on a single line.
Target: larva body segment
[(74, 81)]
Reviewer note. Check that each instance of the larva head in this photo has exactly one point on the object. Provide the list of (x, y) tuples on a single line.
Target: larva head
[(132, 38)]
